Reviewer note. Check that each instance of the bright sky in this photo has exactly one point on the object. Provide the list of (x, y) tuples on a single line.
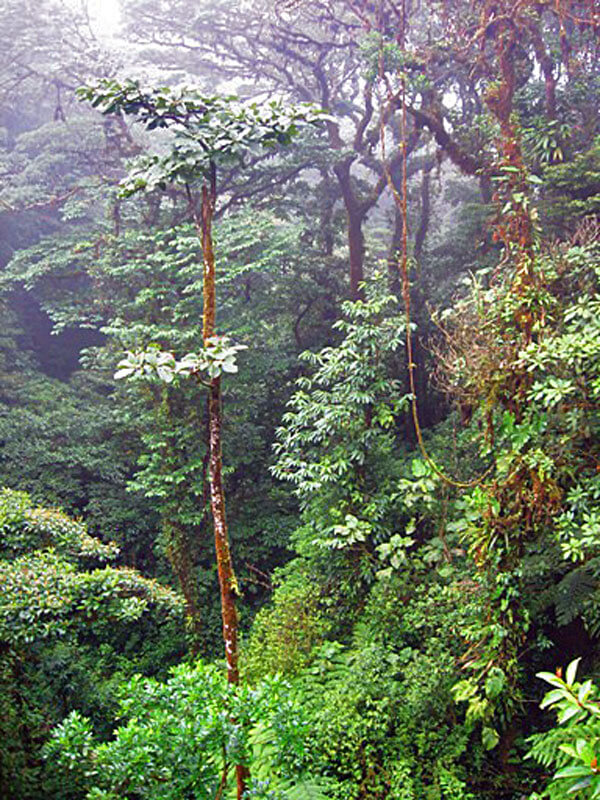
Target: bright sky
[(105, 17)]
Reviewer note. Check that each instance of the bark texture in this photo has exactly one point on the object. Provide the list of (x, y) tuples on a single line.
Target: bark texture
[(227, 581)]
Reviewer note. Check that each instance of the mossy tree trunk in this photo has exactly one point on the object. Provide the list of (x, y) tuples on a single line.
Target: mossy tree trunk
[(227, 580)]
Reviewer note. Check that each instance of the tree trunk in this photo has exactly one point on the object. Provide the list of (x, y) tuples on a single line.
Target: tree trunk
[(421, 233), (356, 244), (227, 580), (355, 218)]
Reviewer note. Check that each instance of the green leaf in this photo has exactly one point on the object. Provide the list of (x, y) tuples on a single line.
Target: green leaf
[(582, 784), (229, 366), (572, 672), (551, 678), (126, 372), (584, 691), (495, 683), (463, 690), (575, 771), (165, 374), (553, 697), (418, 468), (489, 738), (568, 713)]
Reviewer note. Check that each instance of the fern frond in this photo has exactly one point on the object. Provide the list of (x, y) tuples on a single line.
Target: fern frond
[(308, 789), (572, 592)]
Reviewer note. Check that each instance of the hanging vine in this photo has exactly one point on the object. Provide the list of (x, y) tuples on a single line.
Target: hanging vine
[(517, 495)]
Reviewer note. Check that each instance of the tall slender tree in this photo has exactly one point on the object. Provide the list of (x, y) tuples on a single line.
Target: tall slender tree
[(207, 132)]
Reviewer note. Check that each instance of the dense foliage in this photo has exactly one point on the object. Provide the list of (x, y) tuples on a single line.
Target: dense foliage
[(69, 628), (398, 207)]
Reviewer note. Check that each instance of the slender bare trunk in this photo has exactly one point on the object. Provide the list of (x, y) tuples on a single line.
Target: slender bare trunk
[(227, 580)]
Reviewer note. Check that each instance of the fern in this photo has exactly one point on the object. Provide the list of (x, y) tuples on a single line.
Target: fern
[(265, 752), (572, 592), (302, 789), (331, 669), (270, 781), (309, 789)]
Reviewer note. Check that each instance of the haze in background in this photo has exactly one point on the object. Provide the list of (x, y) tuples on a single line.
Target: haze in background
[(106, 17)]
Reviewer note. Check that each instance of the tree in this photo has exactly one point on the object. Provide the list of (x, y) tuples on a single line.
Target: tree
[(208, 132), (55, 595), (48, 49), (336, 442), (174, 741), (317, 52)]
